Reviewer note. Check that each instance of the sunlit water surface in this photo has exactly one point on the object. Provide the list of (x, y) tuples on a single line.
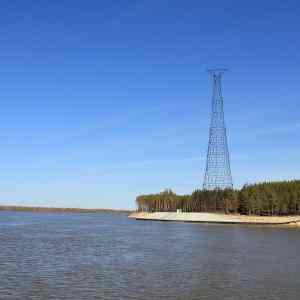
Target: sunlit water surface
[(108, 256)]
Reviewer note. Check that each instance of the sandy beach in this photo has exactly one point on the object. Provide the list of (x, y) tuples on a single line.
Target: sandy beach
[(217, 218)]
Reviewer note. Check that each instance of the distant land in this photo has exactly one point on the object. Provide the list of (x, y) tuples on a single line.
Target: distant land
[(60, 209)]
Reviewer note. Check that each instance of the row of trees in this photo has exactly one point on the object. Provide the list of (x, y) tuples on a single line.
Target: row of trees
[(270, 198)]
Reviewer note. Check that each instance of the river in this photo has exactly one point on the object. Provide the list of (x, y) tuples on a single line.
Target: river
[(108, 256)]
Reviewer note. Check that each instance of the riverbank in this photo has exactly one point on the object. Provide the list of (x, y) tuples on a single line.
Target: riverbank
[(217, 218), (60, 209)]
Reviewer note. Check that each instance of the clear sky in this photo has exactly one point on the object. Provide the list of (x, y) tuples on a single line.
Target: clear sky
[(104, 100)]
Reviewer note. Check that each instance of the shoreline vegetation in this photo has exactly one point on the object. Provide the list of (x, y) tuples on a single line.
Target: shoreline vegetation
[(262, 199), (60, 209)]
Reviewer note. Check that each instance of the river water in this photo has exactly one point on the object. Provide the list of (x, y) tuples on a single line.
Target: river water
[(108, 256)]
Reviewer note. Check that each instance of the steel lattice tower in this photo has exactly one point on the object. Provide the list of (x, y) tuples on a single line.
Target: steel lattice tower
[(217, 171)]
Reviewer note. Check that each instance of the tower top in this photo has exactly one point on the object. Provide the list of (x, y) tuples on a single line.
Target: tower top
[(218, 71)]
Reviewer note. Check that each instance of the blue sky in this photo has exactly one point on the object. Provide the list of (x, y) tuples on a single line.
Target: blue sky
[(104, 100)]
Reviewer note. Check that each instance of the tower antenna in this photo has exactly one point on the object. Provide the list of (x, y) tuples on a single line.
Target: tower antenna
[(217, 171)]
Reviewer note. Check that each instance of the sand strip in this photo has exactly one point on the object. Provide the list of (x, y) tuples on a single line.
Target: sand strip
[(216, 218)]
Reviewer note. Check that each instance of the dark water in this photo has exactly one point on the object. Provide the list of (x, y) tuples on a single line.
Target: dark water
[(105, 256)]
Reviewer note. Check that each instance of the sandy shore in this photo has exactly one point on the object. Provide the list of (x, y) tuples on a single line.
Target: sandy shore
[(217, 218)]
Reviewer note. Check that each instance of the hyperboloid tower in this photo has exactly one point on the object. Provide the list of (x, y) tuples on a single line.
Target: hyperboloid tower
[(217, 171)]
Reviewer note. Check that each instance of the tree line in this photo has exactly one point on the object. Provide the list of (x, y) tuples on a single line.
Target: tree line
[(268, 199)]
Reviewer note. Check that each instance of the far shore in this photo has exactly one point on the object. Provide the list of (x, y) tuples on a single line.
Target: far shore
[(60, 209), (217, 218)]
